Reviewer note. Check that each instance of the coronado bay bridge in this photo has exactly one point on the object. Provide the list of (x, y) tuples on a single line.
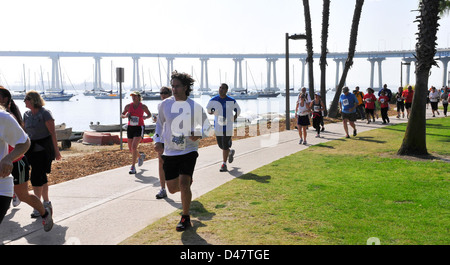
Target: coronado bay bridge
[(406, 57)]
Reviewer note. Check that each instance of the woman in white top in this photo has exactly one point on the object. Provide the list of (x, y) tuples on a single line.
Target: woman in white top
[(302, 110), (10, 134), (434, 99)]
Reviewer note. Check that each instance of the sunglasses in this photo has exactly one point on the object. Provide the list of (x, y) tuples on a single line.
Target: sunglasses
[(27, 98)]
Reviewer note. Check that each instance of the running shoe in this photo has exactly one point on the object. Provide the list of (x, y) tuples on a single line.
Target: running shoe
[(305, 143), (231, 156), (301, 141), (141, 159), (161, 194), (323, 128), (48, 205), (15, 200), (47, 221), (132, 170), (354, 132), (35, 214), (184, 223), (317, 135), (223, 168)]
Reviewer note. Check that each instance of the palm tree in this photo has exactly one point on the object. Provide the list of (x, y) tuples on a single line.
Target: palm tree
[(414, 141), (444, 7), (333, 111), (309, 46), (323, 56)]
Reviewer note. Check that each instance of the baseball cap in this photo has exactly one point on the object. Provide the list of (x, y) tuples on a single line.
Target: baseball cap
[(136, 93)]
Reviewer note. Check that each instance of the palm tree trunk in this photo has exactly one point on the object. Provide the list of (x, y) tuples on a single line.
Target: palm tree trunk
[(323, 57), (414, 141), (309, 47), (333, 111)]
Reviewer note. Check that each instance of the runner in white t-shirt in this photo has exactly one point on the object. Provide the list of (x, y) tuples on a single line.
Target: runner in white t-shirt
[(10, 134), (184, 122)]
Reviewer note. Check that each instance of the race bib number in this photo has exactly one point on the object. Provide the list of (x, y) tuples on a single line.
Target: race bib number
[(222, 121), (317, 108), (444, 101), (134, 121), (382, 100), (345, 102), (178, 142), (368, 100)]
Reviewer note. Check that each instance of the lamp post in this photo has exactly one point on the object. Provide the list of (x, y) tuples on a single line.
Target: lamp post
[(401, 72), (292, 37)]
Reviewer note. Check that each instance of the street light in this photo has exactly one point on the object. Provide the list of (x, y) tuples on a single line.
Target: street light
[(401, 72), (292, 37)]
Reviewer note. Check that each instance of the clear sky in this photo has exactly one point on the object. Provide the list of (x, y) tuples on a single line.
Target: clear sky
[(198, 26)]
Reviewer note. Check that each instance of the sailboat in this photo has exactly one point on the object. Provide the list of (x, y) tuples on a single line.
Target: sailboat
[(244, 93), (108, 95), (20, 95), (56, 94), (149, 95)]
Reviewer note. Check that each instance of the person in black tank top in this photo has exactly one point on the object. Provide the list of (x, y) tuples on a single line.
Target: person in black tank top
[(317, 107)]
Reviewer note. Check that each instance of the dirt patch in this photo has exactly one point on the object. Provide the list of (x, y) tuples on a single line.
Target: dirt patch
[(82, 160)]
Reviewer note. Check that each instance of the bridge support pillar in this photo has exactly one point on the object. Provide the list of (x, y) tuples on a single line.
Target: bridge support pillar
[(372, 70), (445, 61), (271, 61), (97, 74), (408, 69), (238, 74), (136, 78), (169, 69), (55, 74), (204, 75), (339, 61)]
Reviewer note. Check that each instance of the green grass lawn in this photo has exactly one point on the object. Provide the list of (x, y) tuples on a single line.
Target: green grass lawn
[(340, 192)]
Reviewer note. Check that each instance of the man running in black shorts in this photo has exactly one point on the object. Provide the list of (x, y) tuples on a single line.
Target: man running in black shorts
[(222, 107), (184, 122)]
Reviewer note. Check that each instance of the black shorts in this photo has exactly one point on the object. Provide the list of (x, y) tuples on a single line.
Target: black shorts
[(303, 120), (434, 105), (349, 116), (224, 142), (41, 165), (174, 166), (135, 131), (407, 105), (21, 171), (400, 106), (370, 111)]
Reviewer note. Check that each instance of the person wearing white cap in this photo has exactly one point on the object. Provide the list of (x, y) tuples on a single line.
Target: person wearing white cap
[(135, 130)]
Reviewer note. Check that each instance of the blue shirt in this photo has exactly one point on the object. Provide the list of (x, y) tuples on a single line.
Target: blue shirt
[(223, 109), (348, 102)]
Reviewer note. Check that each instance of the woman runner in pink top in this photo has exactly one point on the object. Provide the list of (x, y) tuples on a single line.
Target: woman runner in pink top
[(135, 131)]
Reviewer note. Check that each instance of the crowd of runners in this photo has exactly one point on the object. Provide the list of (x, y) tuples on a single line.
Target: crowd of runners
[(30, 141)]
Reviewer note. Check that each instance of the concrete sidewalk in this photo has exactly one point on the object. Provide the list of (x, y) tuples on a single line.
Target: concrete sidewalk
[(108, 207)]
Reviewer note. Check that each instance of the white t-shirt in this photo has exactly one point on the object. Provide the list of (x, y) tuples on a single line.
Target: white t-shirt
[(10, 134), (434, 96), (177, 120), (302, 111)]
